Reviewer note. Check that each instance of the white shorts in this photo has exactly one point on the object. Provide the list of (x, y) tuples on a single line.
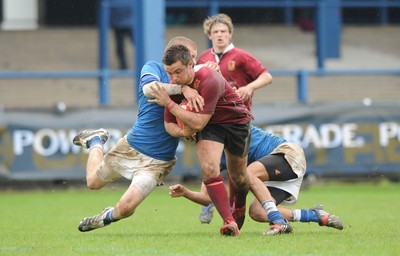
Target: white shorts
[(124, 161), (294, 154)]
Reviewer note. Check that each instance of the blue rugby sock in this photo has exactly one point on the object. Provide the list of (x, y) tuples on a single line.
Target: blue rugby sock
[(275, 217), (108, 219), (94, 141), (308, 215)]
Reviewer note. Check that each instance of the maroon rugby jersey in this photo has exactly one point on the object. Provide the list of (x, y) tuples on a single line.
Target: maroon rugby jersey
[(220, 100), (237, 66)]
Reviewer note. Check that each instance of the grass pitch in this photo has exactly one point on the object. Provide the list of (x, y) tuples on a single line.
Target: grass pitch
[(45, 223)]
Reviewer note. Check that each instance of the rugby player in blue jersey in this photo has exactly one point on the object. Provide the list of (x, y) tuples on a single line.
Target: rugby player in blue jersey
[(145, 155), (281, 166)]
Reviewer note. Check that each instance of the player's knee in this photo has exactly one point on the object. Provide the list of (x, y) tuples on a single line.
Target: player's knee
[(257, 214), (144, 184), (94, 182), (210, 169), (93, 185), (253, 215), (240, 181)]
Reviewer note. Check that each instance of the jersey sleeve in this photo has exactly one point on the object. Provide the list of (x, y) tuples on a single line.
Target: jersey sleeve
[(150, 72), (253, 66)]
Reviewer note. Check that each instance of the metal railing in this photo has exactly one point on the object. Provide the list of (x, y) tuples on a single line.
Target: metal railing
[(213, 6)]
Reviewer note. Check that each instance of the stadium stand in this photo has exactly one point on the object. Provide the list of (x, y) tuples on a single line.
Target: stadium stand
[(283, 48)]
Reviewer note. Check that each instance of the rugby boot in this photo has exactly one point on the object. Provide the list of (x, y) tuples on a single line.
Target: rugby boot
[(82, 138), (94, 222), (327, 219)]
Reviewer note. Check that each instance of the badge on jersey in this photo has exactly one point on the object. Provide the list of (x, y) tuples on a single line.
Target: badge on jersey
[(231, 65)]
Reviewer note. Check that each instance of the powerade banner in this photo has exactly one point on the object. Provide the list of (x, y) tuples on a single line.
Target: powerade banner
[(338, 139), (38, 145)]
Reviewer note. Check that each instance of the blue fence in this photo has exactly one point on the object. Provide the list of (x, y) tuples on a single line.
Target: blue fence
[(213, 6), (323, 7)]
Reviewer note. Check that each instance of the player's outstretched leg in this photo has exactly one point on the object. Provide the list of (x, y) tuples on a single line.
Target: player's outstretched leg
[(97, 221), (84, 138), (327, 219), (206, 214)]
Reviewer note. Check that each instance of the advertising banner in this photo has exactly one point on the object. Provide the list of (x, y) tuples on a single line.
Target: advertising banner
[(338, 139), (341, 139)]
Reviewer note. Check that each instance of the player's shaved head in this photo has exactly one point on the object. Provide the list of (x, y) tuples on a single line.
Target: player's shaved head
[(188, 43), (183, 41)]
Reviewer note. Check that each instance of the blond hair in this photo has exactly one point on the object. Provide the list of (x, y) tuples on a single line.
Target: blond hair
[(218, 18)]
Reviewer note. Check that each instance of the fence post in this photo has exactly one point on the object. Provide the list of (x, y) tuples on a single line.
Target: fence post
[(104, 21), (319, 35), (383, 13), (328, 31), (149, 33), (213, 7), (288, 12), (302, 86)]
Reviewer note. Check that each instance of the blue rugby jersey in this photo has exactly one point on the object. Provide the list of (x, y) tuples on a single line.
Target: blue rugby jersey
[(148, 134)]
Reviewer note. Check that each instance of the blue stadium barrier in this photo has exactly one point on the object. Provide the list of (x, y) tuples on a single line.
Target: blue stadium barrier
[(213, 6), (301, 75), (103, 74)]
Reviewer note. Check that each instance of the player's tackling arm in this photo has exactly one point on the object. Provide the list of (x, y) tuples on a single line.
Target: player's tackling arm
[(171, 89), (175, 131), (179, 190), (193, 120), (191, 95)]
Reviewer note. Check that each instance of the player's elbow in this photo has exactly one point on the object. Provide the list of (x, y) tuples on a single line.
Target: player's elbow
[(197, 126), (268, 79), (199, 122), (147, 90)]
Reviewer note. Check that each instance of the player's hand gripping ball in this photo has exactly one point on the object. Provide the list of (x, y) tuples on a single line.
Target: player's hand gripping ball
[(185, 106)]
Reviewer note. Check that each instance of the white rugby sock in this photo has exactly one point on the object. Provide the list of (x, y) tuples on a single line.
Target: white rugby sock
[(296, 214)]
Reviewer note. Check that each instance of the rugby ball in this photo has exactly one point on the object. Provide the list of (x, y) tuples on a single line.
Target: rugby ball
[(184, 105)]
